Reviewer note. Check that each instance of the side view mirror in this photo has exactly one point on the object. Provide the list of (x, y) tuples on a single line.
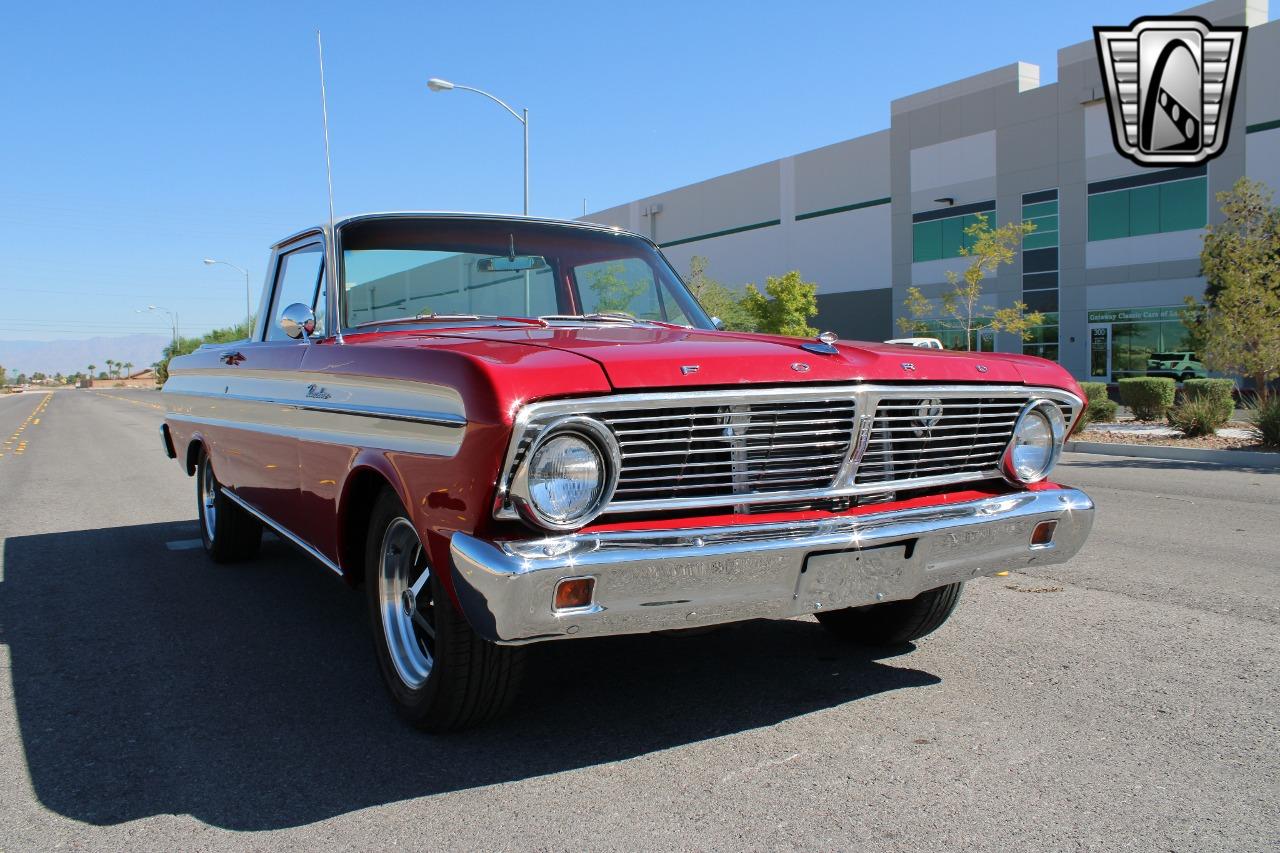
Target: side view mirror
[(718, 323), (298, 320)]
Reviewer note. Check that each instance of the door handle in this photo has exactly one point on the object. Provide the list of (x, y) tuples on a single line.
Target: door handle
[(232, 357)]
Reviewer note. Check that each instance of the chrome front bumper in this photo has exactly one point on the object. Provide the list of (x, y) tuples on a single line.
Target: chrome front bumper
[(659, 580)]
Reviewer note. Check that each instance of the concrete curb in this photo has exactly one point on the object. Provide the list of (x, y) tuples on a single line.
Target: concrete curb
[(1234, 458)]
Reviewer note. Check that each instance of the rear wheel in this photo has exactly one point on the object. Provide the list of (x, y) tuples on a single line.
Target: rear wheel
[(895, 622), (440, 673), (229, 533)]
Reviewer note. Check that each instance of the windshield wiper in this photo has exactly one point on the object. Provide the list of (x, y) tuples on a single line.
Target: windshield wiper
[(597, 317), (447, 318)]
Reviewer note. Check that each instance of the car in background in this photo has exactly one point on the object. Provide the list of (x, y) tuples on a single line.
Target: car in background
[(923, 343), (1176, 365)]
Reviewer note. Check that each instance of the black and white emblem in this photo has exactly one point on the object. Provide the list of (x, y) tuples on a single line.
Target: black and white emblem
[(906, 365), (1170, 85)]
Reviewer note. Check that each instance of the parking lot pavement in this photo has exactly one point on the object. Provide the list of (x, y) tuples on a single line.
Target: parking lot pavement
[(153, 700)]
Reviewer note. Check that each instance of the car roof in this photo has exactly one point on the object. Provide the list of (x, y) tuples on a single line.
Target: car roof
[(446, 214)]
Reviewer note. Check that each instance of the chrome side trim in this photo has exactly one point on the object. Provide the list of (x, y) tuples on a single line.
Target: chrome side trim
[(444, 419), (280, 529), (654, 580), (867, 397)]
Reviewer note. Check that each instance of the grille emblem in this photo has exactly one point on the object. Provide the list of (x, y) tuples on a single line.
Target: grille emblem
[(906, 365), (982, 368), (928, 415), (686, 369), (799, 367)]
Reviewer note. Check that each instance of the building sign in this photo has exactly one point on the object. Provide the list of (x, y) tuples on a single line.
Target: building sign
[(1136, 315), (1170, 85)]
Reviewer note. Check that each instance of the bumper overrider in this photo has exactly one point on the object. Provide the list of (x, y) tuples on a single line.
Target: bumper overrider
[(659, 580)]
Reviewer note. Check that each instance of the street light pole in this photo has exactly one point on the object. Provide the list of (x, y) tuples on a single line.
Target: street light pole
[(435, 84), (173, 318), (248, 305)]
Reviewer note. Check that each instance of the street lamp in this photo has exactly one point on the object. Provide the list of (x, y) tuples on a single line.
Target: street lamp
[(435, 84), (248, 306), (173, 318)]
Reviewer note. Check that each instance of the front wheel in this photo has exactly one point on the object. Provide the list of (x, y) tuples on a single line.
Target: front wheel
[(894, 622), (228, 532), (440, 673)]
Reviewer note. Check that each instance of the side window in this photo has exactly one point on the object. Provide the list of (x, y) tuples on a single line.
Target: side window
[(625, 286), (298, 279)]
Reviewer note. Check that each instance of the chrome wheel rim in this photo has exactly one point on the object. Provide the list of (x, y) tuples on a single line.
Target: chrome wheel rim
[(405, 603), (208, 500)]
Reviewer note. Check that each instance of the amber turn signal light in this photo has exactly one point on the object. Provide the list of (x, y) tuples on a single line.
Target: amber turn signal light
[(1042, 536), (572, 593)]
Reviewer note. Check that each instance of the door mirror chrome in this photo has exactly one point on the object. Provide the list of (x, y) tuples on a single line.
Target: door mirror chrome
[(298, 321), (718, 323)]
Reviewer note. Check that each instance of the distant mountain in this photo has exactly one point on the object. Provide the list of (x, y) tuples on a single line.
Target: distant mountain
[(69, 356)]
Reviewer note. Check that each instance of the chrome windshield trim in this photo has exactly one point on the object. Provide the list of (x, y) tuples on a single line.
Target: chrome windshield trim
[(282, 530), (866, 397)]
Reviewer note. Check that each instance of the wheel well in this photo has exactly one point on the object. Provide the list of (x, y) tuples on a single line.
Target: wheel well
[(193, 455), (354, 513)]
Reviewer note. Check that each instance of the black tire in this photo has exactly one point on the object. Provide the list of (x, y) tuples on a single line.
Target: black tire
[(468, 680), (895, 622), (231, 534)]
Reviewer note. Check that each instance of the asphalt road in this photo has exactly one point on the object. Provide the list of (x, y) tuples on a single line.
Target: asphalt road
[(153, 700)]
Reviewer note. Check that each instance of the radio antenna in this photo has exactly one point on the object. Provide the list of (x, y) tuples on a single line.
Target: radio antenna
[(331, 252)]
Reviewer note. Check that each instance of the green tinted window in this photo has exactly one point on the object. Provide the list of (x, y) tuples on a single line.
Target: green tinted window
[(1183, 205), (1161, 208), (1144, 211), (942, 238), (926, 241), (952, 237), (1044, 208), (1109, 215), (1040, 240)]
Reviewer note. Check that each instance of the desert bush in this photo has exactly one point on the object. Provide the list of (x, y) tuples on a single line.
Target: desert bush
[(1101, 409), (1219, 391), (1150, 397), (1264, 418), (1196, 416)]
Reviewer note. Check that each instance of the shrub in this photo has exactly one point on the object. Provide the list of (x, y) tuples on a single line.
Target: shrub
[(1196, 416), (1102, 408), (1220, 392), (1265, 419), (1150, 397)]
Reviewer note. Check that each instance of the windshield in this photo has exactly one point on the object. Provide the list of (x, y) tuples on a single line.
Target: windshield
[(470, 270)]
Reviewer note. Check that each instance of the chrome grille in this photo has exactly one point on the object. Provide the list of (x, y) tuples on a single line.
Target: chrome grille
[(789, 446), (925, 437), (726, 450)]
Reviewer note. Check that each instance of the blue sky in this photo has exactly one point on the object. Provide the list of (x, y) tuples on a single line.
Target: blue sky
[(137, 139)]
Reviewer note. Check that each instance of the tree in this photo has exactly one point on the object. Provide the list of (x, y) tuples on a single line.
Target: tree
[(1238, 328), (614, 293), (717, 299), (2, 375), (962, 308), (128, 367), (22, 379), (785, 306), (183, 346)]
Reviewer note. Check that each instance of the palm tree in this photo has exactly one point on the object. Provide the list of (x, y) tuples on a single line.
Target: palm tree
[(128, 367)]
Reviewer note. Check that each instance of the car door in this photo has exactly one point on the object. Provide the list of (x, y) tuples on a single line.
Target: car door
[(267, 387)]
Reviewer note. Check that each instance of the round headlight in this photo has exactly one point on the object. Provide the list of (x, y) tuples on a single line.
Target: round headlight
[(569, 475), (566, 476), (1037, 442)]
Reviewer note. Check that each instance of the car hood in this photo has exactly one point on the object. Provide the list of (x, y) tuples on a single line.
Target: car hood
[(653, 356)]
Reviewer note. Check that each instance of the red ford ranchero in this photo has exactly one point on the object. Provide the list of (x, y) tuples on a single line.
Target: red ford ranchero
[(512, 430)]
